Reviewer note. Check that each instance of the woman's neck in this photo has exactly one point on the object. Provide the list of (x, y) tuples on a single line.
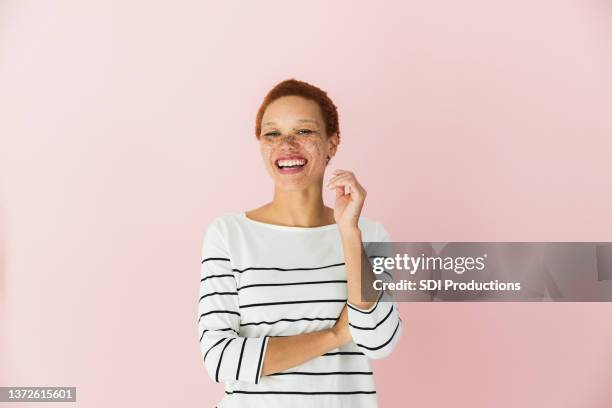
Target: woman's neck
[(304, 208)]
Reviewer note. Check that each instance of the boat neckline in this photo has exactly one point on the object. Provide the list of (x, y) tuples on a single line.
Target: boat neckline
[(243, 215)]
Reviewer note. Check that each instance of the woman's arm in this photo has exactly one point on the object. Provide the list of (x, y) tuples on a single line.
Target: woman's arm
[(374, 321), (375, 325), (350, 197), (358, 269), (289, 351)]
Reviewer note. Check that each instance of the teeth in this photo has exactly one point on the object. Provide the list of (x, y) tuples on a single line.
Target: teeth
[(289, 163)]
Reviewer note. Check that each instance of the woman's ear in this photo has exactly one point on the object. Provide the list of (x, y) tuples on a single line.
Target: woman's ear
[(334, 141)]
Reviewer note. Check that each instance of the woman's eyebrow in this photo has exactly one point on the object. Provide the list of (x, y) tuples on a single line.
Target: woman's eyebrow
[(316, 122)]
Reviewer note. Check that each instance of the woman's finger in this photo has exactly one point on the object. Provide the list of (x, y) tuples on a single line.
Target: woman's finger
[(354, 190), (351, 180), (338, 177), (334, 182), (339, 171)]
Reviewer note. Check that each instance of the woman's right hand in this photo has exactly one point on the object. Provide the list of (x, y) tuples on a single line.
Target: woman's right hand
[(341, 328)]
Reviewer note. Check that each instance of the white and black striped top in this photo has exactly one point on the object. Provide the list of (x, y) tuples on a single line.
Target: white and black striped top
[(260, 280)]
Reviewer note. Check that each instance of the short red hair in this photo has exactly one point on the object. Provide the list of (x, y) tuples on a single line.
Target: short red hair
[(293, 87)]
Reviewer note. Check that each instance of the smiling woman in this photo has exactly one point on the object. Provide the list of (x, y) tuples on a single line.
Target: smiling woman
[(281, 315), (295, 141)]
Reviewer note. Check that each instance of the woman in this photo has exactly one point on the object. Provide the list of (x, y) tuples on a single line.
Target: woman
[(281, 318)]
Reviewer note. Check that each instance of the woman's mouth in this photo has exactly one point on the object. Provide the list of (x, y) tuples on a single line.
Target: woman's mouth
[(290, 164)]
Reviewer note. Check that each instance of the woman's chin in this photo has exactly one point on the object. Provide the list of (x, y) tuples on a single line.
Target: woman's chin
[(289, 185)]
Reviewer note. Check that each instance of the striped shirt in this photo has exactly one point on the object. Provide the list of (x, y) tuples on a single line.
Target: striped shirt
[(261, 280)]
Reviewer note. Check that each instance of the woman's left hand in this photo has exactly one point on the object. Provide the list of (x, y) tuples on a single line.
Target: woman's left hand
[(348, 206)]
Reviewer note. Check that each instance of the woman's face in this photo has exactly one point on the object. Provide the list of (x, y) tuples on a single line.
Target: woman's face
[(294, 143)]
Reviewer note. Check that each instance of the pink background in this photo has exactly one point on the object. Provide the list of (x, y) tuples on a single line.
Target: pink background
[(127, 125)]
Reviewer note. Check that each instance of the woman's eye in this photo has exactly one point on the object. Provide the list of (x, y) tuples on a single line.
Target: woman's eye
[(271, 134), (305, 131)]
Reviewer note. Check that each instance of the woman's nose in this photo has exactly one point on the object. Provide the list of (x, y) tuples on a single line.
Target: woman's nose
[(288, 138)]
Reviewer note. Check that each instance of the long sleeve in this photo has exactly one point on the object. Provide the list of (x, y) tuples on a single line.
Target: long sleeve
[(377, 330), (227, 355)]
